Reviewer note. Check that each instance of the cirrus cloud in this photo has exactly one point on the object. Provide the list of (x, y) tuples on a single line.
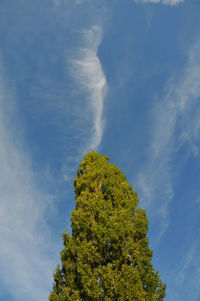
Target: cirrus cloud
[(166, 2), (87, 71)]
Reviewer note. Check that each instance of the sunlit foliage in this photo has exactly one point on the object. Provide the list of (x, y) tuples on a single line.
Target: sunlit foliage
[(107, 257)]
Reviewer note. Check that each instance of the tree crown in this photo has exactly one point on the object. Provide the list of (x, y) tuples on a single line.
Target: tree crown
[(107, 257)]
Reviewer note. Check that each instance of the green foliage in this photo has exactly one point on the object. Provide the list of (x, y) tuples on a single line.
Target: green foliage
[(107, 257)]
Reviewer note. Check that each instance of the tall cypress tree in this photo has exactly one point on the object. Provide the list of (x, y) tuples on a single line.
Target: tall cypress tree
[(107, 257)]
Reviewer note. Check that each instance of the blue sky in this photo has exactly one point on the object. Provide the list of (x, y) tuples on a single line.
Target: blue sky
[(120, 77)]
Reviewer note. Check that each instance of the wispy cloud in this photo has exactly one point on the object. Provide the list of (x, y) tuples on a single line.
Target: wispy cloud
[(166, 2), (176, 123), (189, 265), (188, 259), (25, 261), (87, 71)]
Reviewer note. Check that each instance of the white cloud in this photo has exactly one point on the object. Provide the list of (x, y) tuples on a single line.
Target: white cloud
[(25, 262), (172, 2), (188, 259), (186, 276), (58, 2), (87, 71), (166, 2), (175, 123)]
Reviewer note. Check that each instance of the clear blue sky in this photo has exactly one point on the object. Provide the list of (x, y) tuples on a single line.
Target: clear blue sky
[(121, 77)]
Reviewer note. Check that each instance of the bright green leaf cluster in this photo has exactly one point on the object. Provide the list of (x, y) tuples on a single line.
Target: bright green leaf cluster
[(107, 257)]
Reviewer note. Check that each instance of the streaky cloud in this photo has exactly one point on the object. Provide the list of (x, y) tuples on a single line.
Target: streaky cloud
[(87, 71), (175, 124), (190, 262), (166, 2), (25, 262)]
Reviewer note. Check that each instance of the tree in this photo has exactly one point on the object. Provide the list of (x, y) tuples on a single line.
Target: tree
[(107, 257)]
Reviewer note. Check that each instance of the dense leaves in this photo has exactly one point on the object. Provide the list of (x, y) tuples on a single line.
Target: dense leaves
[(107, 257)]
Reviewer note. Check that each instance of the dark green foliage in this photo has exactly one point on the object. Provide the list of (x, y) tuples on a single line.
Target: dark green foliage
[(107, 256)]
